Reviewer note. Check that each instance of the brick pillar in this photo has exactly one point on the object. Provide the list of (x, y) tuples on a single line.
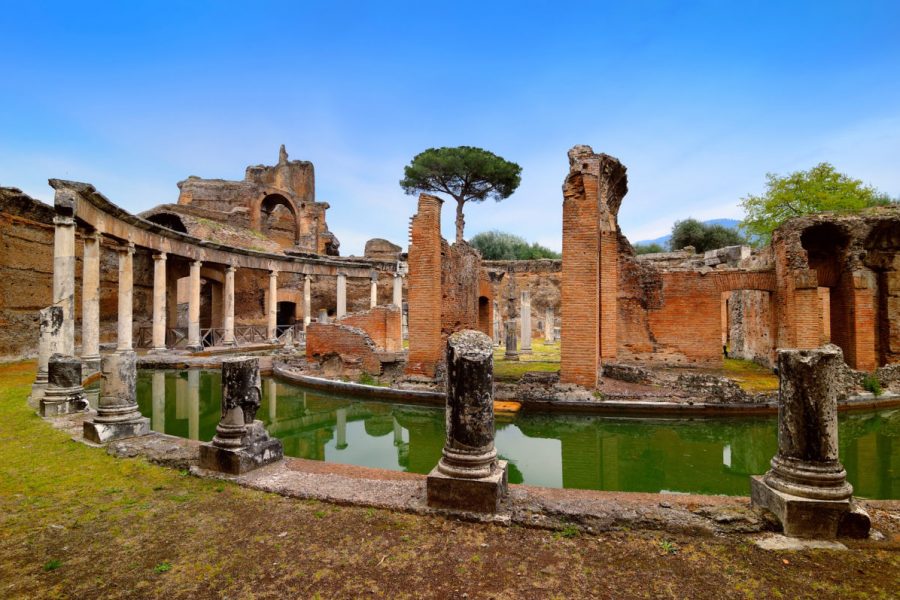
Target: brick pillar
[(609, 283), (807, 310), (862, 322), (424, 288)]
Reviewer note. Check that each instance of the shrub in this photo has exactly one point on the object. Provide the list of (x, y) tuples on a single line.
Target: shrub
[(872, 384)]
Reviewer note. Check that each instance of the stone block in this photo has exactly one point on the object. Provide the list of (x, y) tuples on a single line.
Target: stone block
[(473, 495), (257, 449), (101, 433)]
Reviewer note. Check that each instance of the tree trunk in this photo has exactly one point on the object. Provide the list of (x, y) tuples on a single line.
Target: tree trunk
[(460, 221)]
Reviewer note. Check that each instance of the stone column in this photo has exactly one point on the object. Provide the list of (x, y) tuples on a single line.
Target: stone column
[(90, 303), (241, 443), (117, 411), (549, 323), (64, 279), (272, 308), (193, 383), (272, 389), (512, 352), (158, 392), (228, 304), (126, 290), (159, 303), (498, 324), (64, 393), (323, 316), (525, 302), (341, 428), (807, 486), (49, 343), (373, 291), (341, 295), (469, 476), (307, 302), (194, 343), (398, 291)]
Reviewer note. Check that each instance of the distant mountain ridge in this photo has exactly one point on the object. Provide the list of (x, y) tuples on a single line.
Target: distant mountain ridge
[(664, 240)]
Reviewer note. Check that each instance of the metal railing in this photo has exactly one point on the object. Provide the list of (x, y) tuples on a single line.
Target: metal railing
[(244, 335)]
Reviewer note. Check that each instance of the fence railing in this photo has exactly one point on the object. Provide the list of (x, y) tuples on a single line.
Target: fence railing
[(244, 335)]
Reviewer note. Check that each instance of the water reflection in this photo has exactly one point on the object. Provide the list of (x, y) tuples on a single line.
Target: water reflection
[(713, 456)]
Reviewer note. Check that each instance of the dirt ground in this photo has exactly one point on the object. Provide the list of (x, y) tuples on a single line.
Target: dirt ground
[(77, 523)]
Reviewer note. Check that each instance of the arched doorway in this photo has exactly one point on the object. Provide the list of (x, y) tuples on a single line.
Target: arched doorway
[(286, 316), (278, 219), (169, 221)]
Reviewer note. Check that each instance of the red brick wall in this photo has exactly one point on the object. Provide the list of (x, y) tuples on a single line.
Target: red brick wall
[(424, 296), (382, 324), (351, 344)]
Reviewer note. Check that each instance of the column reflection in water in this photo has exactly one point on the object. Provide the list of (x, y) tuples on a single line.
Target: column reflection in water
[(194, 404), (158, 391), (398, 432), (272, 390), (341, 428), (181, 396)]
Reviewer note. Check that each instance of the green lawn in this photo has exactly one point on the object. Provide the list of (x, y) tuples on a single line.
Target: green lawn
[(543, 357)]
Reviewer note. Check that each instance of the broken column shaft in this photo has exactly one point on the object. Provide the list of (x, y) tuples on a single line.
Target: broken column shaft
[(64, 394), (469, 476), (117, 410)]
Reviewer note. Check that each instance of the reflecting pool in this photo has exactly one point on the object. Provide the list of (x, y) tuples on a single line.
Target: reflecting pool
[(706, 456)]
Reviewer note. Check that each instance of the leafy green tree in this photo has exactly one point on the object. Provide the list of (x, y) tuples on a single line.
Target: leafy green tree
[(703, 237), (648, 248), (820, 189), (498, 245), (465, 173)]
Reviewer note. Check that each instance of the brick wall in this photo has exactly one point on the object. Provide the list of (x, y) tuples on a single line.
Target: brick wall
[(382, 324), (424, 296), (352, 345)]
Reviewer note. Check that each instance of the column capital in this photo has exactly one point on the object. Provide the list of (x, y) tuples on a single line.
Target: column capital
[(197, 263), (230, 269), (63, 221), (127, 248), (273, 272), (94, 236), (161, 256)]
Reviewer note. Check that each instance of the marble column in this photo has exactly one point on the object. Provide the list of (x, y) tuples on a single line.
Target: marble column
[(272, 391), (117, 410), (158, 392), (373, 291), (272, 308), (228, 304), (525, 300), (323, 316), (50, 321), (64, 279), (64, 393), (341, 429), (124, 340), (90, 303), (398, 290), (549, 323), (159, 303), (194, 307), (341, 295), (307, 301)]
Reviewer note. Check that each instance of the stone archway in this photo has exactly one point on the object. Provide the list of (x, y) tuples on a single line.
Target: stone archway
[(267, 211)]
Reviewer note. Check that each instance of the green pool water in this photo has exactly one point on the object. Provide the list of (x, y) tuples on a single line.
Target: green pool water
[(708, 456)]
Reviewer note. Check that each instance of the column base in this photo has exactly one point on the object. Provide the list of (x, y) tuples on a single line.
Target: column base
[(229, 344), (63, 401), (158, 351), (38, 389), (511, 356), (194, 348), (810, 518), (525, 351), (101, 433), (258, 451), (474, 495), (90, 364)]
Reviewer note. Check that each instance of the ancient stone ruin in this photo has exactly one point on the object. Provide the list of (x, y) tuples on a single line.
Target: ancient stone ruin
[(241, 442), (469, 475), (117, 411), (64, 394), (807, 487)]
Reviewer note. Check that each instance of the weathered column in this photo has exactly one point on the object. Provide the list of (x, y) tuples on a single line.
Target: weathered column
[(272, 392), (241, 443), (90, 303), (159, 303), (511, 343), (126, 290), (341, 295), (272, 308), (193, 384), (228, 307), (194, 343), (158, 392), (64, 393), (323, 316), (50, 320), (341, 428), (64, 279), (398, 290), (807, 487), (498, 324), (307, 302), (469, 476), (373, 291), (549, 323), (117, 411), (525, 302)]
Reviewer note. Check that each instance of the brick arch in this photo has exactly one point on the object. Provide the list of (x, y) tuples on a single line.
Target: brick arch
[(268, 201), (744, 280)]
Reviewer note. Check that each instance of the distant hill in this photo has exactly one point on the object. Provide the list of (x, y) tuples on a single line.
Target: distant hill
[(664, 240)]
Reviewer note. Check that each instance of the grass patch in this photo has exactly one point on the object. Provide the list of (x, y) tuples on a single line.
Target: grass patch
[(52, 565), (871, 383), (750, 376), (544, 357)]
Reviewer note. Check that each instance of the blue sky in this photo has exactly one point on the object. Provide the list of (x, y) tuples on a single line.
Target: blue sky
[(698, 100)]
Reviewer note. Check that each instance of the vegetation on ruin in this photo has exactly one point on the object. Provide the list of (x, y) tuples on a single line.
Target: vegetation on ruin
[(648, 248), (820, 189), (752, 377), (871, 383), (77, 523), (499, 245), (702, 236), (465, 173)]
